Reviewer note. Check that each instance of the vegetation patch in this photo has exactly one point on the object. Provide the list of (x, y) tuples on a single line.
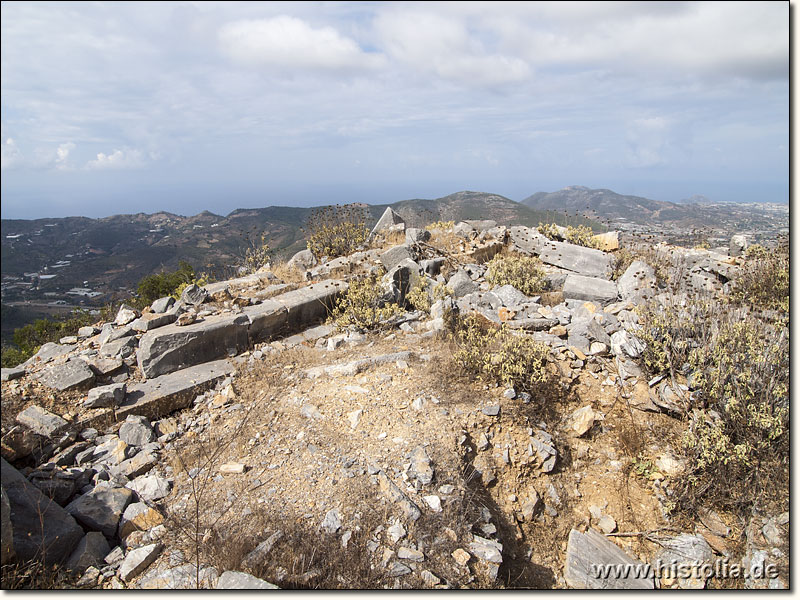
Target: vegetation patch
[(363, 305), (523, 272), (333, 231)]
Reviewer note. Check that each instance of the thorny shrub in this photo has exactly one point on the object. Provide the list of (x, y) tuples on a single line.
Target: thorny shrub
[(499, 354), (523, 272), (333, 231), (440, 225), (549, 230), (362, 305)]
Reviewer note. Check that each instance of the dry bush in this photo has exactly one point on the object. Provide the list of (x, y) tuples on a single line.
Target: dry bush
[(525, 273), (763, 281), (35, 575), (333, 231), (286, 273), (362, 305)]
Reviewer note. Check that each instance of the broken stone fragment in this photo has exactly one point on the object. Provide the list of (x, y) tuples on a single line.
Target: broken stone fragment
[(106, 396), (41, 421)]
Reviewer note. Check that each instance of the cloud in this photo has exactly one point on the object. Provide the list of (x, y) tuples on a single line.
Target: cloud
[(11, 155), (444, 46), (62, 154), (118, 159), (290, 42), (648, 140)]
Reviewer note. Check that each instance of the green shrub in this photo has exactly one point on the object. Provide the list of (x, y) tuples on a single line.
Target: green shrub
[(549, 230), (28, 339), (523, 272), (361, 305), (418, 296), (159, 285), (582, 235), (500, 355), (333, 231)]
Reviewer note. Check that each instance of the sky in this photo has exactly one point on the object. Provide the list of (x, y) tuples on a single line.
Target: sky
[(110, 108)]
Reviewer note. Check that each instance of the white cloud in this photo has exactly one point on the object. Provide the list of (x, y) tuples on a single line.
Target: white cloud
[(62, 154), (289, 42), (118, 159), (648, 140), (444, 46), (10, 154)]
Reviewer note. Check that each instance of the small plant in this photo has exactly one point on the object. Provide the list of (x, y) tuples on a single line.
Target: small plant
[(362, 305), (418, 296), (763, 281), (500, 355), (523, 272), (256, 255), (440, 225), (333, 231), (549, 230), (582, 236), (643, 466)]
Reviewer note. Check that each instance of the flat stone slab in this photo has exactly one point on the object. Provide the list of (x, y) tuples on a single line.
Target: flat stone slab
[(173, 347), (236, 580), (72, 374), (41, 421), (47, 352), (590, 553), (580, 287), (162, 395), (41, 528), (153, 321), (12, 373), (526, 240), (578, 259), (137, 561)]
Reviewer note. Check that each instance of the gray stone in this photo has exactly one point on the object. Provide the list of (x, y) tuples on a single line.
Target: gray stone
[(687, 550), (137, 431), (106, 396), (150, 488), (461, 284), (90, 552), (41, 421), (181, 577), (578, 259), (410, 554), (236, 580), (12, 373), (138, 516), (58, 489), (332, 521), (162, 305), (390, 489), (153, 321), (193, 295), (74, 373), (491, 411), (41, 528), (258, 556), (122, 347), (140, 464), (589, 551), (624, 343), (585, 331), (101, 508), (387, 220), (47, 352), (510, 296), (172, 348), (414, 235), (137, 561), (532, 506), (87, 332), (638, 283), (488, 550), (580, 287), (68, 339), (738, 245), (162, 395), (303, 260), (395, 255), (125, 315), (398, 569), (103, 365), (421, 468)]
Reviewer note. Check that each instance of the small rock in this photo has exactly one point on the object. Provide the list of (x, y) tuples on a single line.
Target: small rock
[(434, 502), (406, 553), (396, 532), (236, 580), (491, 411), (105, 396), (41, 421), (488, 550), (138, 560), (136, 431), (430, 578), (233, 467), (583, 420), (461, 556), (332, 521), (607, 524)]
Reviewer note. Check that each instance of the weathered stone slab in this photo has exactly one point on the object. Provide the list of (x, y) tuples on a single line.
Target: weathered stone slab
[(119, 347), (162, 305), (137, 561), (310, 335), (308, 305), (525, 240), (41, 528), (388, 219), (578, 259), (47, 352), (236, 580), (266, 319), (607, 241), (395, 255), (390, 489), (532, 324), (303, 260), (138, 517), (41, 421), (104, 365), (172, 347), (162, 395), (101, 508), (153, 321), (72, 374), (182, 577), (12, 373), (637, 283), (588, 553), (106, 396), (579, 287)]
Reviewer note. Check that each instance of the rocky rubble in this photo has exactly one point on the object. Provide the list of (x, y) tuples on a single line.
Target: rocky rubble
[(102, 474)]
